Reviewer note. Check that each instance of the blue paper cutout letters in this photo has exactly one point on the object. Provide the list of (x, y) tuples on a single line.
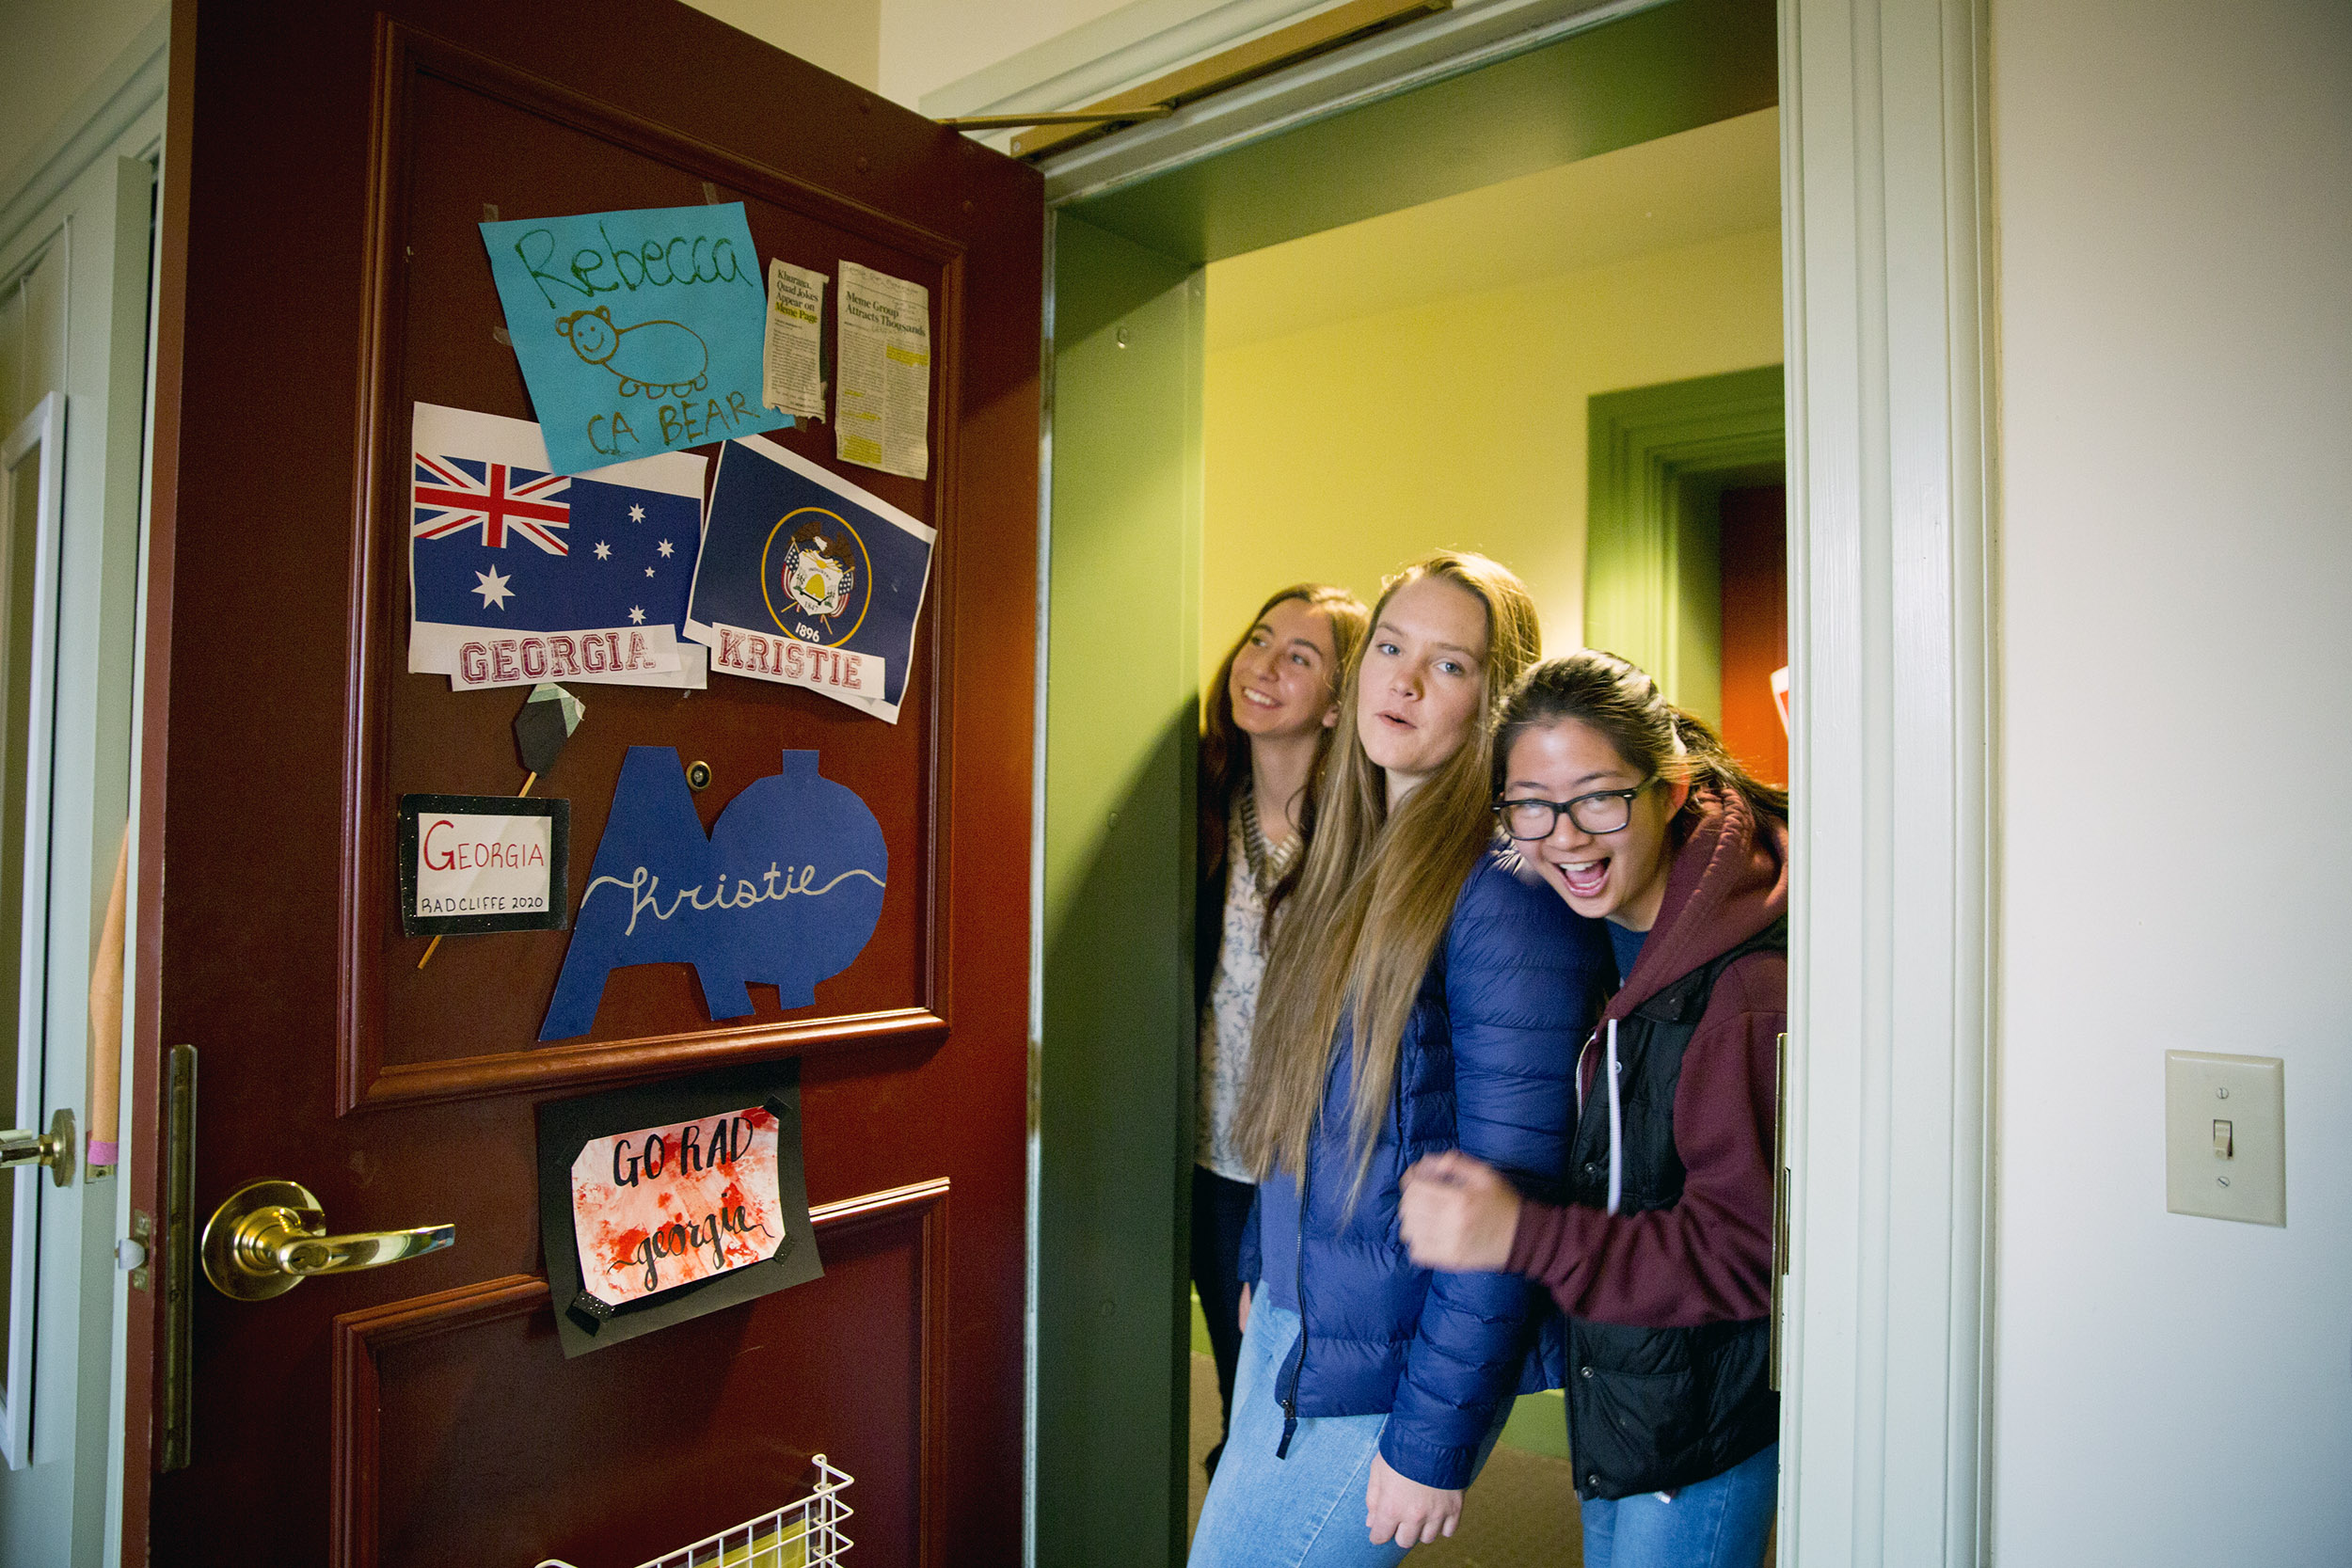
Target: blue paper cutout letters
[(785, 891)]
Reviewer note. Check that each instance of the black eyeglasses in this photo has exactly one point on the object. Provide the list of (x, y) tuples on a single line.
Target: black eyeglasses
[(1604, 811)]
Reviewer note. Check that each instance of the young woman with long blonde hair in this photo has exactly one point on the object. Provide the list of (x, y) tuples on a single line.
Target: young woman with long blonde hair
[(1423, 993), (1267, 728)]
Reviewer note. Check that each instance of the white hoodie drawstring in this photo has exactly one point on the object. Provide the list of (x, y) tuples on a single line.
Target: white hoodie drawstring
[(1616, 1155)]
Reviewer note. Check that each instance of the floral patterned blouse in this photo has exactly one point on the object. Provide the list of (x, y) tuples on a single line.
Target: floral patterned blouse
[(1232, 1010)]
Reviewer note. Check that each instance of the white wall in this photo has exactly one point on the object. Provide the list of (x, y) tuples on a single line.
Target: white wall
[(52, 51), (2174, 188), (840, 36)]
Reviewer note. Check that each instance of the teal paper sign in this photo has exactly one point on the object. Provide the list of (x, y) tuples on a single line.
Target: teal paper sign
[(639, 332)]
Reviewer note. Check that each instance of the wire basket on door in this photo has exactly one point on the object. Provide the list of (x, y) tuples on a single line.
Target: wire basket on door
[(806, 1534)]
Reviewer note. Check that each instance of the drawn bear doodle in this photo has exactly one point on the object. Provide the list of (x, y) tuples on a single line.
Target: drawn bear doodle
[(661, 358), (785, 891)]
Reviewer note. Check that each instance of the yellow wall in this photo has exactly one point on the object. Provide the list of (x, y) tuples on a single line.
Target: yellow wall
[(52, 52), (1341, 451)]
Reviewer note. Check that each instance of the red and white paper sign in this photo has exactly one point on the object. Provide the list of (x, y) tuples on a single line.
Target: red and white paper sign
[(665, 1206)]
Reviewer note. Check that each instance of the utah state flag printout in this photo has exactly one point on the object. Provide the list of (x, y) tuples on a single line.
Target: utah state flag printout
[(806, 579), (519, 574)]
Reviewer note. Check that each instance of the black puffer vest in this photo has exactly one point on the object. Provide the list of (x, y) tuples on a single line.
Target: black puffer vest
[(1657, 1409)]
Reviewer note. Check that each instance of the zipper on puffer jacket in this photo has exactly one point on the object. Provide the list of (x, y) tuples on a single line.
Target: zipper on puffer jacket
[(1298, 1286)]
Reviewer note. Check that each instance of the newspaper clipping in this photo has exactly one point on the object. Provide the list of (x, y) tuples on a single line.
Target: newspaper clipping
[(883, 418), (789, 378)]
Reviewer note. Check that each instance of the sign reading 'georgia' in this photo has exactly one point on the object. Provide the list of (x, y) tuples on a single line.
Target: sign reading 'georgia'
[(518, 575), (785, 891), (471, 864), (665, 1206)]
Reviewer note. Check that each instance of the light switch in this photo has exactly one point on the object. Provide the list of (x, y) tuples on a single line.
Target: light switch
[(2225, 1136)]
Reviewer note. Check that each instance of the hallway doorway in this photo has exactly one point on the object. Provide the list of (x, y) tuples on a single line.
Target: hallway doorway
[(1195, 453)]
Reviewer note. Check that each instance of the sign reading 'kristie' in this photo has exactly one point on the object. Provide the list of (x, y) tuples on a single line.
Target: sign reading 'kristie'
[(806, 579), (784, 891), (665, 1206)]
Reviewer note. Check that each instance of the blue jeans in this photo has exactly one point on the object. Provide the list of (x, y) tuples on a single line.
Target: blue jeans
[(1720, 1523), (1306, 1510)]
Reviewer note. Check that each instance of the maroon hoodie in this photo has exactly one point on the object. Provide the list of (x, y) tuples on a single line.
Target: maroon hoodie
[(1708, 1257)]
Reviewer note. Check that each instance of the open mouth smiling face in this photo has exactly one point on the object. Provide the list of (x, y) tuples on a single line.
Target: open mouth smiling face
[(1619, 875), (1281, 680)]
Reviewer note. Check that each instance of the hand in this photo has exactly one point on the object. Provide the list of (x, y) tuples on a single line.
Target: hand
[(1245, 1310), (1458, 1214), (1405, 1511)]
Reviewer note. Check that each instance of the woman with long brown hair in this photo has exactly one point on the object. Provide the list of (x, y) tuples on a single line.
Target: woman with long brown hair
[(1660, 1252), (1266, 728), (1423, 994)]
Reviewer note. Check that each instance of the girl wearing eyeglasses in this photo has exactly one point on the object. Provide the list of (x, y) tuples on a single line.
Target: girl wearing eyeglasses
[(1268, 728), (1661, 1257), (1421, 994)]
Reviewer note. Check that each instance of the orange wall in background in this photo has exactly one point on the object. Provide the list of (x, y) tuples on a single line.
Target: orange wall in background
[(1756, 625)]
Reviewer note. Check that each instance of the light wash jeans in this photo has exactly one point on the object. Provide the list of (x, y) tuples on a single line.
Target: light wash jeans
[(1719, 1523), (1306, 1510)]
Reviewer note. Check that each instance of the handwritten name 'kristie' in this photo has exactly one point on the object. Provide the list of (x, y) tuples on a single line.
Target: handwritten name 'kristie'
[(644, 891)]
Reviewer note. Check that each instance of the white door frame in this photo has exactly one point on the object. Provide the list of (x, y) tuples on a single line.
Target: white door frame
[(1887, 279), (1888, 313), (86, 189)]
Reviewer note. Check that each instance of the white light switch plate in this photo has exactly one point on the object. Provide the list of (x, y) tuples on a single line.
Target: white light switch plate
[(2202, 1088)]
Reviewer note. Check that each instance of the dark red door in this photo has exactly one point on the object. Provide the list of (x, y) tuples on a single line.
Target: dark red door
[(1755, 548), (327, 169)]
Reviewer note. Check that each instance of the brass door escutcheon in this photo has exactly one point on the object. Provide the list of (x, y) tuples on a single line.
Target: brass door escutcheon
[(54, 1148), (268, 1237)]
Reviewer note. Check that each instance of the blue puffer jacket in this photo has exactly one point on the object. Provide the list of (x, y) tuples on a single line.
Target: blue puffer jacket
[(1485, 1066)]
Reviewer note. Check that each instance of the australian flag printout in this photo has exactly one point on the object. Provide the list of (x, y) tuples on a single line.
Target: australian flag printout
[(519, 574), (806, 579)]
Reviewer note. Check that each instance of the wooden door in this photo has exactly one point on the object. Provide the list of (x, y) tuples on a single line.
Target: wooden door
[(323, 271), (1755, 555)]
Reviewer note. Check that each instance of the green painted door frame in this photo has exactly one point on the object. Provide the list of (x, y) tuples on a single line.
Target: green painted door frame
[(1112, 1075), (1657, 461), (1112, 1111)]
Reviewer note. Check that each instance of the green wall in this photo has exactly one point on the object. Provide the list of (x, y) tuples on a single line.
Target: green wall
[(1114, 1084), (1658, 459), (1645, 75), (1113, 1070)]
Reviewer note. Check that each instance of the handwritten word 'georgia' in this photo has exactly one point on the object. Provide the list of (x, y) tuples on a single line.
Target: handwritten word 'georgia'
[(455, 854), (655, 264), (679, 1238), (644, 891)]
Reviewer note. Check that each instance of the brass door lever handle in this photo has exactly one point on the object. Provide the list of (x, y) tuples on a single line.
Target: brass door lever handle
[(268, 1237), (32, 1146)]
